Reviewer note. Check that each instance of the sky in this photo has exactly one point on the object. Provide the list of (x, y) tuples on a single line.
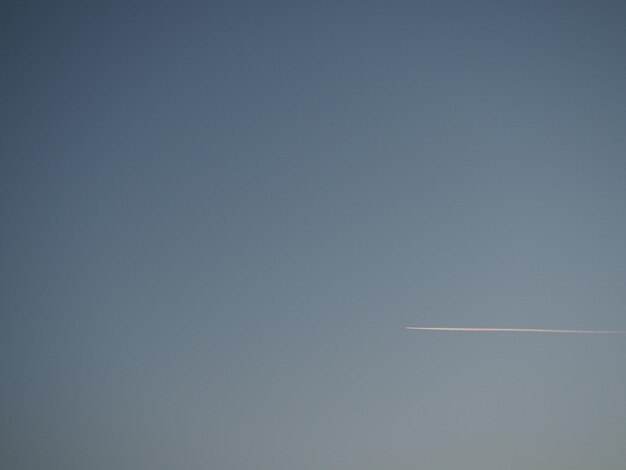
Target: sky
[(219, 217)]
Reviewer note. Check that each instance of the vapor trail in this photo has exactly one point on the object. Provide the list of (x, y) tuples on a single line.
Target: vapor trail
[(517, 330)]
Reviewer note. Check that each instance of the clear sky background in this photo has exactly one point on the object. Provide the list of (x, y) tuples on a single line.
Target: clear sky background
[(218, 218)]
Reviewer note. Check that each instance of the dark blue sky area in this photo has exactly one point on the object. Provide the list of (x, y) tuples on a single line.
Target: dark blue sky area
[(218, 218)]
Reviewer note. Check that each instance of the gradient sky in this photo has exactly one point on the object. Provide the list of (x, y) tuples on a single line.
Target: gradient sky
[(218, 218)]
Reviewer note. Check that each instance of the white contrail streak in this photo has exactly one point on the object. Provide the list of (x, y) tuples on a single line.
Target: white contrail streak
[(516, 330)]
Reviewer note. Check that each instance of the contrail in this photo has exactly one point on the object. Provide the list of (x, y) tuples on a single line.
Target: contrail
[(517, 330)]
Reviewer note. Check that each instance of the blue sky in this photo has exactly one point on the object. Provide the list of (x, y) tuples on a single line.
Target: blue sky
[(218, 218)]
